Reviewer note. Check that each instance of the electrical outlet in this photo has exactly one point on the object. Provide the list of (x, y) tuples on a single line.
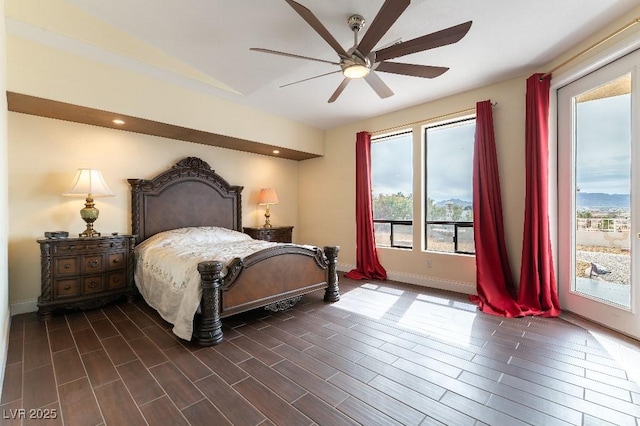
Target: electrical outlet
[(429, 263)]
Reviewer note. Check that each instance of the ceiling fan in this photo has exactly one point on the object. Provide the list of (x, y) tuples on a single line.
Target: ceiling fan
[(360, 61)]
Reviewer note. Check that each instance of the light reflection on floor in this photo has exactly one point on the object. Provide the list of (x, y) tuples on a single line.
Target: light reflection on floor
[(452, 322), (421, 313)]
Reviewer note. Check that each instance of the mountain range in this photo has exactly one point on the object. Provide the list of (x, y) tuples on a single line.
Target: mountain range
[(601, 200), (455, 202), (585, 200)]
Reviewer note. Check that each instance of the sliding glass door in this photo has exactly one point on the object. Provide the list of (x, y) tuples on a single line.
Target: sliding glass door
[(599, 192)]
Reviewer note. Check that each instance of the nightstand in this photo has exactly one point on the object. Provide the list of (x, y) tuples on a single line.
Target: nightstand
[(278, 234), (85, 273)]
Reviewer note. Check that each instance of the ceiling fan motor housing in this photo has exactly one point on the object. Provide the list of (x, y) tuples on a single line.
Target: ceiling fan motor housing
[(356, 22)]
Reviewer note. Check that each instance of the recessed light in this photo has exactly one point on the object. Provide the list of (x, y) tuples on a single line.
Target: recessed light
[(118, 121), (275, 151)]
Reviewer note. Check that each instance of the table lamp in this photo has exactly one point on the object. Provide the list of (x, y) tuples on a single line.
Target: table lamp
[(89, 183), (267, 196)]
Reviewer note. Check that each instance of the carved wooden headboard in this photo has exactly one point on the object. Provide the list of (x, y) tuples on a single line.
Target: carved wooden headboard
[(188, 194)]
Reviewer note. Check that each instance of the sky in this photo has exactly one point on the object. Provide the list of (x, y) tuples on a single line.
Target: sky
[(603, 145), (449, 164), (392, 165)]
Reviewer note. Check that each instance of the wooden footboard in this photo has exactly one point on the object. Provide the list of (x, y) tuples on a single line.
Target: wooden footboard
[(267, 278)]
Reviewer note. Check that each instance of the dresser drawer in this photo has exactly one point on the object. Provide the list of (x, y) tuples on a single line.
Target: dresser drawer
[(92, 264), (66, 266), (78, 247), (273, 235), (116, 280), (67, 288), (277, 234), (92, 284), (116, 261)]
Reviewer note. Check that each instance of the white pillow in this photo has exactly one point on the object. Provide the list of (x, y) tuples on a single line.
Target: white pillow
[(198, 235)]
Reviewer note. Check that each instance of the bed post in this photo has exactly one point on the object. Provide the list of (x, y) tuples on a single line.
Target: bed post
[(209, 329), (332, 293)]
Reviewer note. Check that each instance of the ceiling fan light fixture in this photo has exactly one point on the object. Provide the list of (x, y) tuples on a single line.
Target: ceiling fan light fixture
[(356, 71)]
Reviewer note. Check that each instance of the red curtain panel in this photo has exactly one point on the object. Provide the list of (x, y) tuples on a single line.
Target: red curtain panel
[(367, 265), (494, 282), (538, 294)]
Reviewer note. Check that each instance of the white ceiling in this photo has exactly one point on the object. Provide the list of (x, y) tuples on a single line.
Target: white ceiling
[(508, 38)]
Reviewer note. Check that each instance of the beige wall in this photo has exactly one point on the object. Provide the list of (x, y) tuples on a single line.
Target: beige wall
[(330, 216), (45, 153), (4, 213)]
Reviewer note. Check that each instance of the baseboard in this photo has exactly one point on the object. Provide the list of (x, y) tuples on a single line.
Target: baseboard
[(424, 281), (433, 282), (24, 307), (344, 267), (5, 348)]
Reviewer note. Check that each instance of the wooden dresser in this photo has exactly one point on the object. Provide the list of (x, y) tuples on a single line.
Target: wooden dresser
[(85, 273), (278, 234)]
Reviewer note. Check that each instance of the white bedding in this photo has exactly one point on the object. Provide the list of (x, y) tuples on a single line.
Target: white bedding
[(166, 271)]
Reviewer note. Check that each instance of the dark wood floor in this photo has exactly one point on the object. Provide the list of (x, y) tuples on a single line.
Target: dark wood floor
[(387, 353)]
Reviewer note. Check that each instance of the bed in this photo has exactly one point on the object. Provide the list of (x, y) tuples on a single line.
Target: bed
[(191, 195)]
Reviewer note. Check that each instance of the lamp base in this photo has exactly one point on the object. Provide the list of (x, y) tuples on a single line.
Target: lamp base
[(267, 216), (88, 233), (89, 214)]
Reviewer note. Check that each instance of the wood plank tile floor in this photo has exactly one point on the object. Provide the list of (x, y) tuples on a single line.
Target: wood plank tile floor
[(386, 353)]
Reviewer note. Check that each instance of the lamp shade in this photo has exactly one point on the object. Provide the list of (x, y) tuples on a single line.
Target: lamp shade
[(88, 181), (267, 196)]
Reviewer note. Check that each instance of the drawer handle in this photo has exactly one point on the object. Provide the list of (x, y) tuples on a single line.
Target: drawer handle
[(67, 266), (116, 280), (94, 263), (116, 260), (67, 287), (93, 284)]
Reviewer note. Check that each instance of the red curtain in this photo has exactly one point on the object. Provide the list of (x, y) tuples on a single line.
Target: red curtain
[(494, 282), (367, 265), (538, 292)]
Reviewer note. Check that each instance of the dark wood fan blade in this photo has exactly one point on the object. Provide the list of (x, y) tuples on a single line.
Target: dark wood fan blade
[(413, 70), (387, 15), (310, 78), (311, 19), (430, 41), (379, 86), (291, 55), (339, 90)]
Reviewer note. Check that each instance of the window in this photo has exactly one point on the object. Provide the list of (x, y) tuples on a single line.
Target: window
[(392, 189), (449, 187)]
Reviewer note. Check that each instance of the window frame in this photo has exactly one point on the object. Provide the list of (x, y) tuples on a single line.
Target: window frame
[(392, 222), (456, 224)]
